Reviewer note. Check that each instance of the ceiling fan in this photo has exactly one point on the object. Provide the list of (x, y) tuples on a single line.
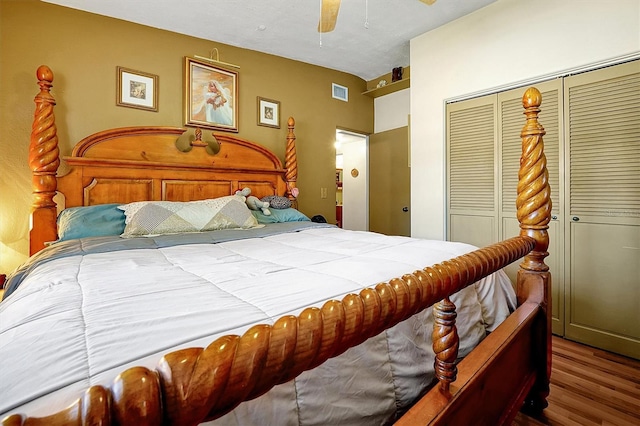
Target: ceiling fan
[(329, 14)]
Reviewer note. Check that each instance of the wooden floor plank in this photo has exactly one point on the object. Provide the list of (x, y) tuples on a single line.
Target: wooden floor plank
[(591, 408), (610, 379), (589, 386), (617, 396), (597, 363)]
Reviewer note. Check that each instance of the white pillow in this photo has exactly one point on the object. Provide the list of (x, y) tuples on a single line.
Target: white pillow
[(149, 218)]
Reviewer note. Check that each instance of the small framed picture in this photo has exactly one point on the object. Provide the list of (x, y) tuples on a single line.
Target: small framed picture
[(210, 96), (136, 89), (268, 113)]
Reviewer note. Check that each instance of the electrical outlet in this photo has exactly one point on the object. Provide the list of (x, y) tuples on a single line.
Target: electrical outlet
[(323, 192)]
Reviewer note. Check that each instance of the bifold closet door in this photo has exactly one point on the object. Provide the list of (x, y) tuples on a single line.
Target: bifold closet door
[(511, 120), (602, 125), (471, 171)]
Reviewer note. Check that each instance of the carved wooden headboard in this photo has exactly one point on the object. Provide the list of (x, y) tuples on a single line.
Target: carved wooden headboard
[(145, 163), (130, 164)]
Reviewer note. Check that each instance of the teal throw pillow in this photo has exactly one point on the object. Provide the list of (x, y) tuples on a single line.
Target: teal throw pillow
[(90, 221), (280, 215)]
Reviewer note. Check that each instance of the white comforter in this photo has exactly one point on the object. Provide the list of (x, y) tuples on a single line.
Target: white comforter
[(79, 320)]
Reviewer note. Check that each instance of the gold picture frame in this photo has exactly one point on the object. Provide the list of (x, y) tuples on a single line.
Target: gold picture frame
[(210, 96), (268, 113), (136, 89)]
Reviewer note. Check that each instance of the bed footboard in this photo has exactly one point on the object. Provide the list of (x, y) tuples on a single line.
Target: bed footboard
[(195, 384)]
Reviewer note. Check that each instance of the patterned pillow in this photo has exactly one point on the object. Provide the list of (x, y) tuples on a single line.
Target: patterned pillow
[(277, 202), (149, 218)]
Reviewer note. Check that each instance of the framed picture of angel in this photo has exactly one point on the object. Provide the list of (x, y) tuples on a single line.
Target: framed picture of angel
[(210, 96)]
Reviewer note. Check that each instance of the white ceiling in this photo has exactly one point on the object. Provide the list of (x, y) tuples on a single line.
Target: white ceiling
[(288, 28)]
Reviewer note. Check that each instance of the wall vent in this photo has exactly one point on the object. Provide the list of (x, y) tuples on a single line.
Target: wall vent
[(340, 92)]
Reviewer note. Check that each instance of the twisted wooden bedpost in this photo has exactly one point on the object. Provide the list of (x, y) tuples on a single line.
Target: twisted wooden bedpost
[(534, 281), (534, 213), (291, 161), (43, 161), (445, 343)]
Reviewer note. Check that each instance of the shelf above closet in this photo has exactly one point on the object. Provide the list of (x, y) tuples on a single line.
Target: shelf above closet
[(389, 88)]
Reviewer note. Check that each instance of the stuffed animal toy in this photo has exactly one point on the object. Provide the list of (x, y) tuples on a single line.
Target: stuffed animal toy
[(254, 203), (245, 192)]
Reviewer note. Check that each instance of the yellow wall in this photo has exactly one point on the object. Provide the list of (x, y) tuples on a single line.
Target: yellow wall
[(83, 51)]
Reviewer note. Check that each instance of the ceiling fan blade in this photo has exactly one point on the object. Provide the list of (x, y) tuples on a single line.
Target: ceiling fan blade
[(328, 15), (429, 2)]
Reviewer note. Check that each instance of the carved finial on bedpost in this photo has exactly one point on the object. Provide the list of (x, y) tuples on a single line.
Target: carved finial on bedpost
[(43, 161), (291, 159), (534, 194), (534, 214)]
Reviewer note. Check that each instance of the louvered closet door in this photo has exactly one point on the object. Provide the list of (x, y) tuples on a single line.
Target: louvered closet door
[(471, 171), (511, 120), (602, 125)]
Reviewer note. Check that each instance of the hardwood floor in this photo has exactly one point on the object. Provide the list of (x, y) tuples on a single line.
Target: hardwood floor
[(590, 387)]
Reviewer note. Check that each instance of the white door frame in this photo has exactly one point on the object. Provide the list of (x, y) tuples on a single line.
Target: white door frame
[(354, 148)]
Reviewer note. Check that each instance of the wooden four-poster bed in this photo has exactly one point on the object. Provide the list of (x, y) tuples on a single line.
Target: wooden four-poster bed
[(301, 349)]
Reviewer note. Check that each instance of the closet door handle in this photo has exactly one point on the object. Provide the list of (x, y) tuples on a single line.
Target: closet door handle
[(575, 218), (554, 217), (405, 209)]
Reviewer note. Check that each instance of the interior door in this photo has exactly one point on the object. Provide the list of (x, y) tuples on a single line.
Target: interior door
[(390, 182), (602, 116)]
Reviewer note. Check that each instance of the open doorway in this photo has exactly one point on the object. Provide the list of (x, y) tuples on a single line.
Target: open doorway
[(352, 180)]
